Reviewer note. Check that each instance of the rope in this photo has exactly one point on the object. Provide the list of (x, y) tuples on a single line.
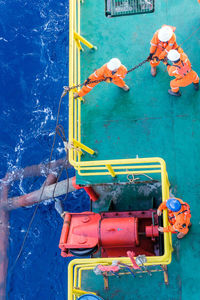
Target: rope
[(137, 66), (67, 88), (48, 169), (190, 35)]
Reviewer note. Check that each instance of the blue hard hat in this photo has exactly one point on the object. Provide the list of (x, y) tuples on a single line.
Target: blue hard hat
[(173, 204), (89, 297)]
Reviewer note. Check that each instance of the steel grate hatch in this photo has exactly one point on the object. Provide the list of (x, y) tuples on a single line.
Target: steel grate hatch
[(117, 8)]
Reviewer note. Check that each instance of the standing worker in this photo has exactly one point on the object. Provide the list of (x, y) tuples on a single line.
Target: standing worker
[(183, 72), (113, 72), (178, 216), (162, 42)]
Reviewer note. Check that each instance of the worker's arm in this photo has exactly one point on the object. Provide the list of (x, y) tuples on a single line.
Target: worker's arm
[(185, 59), (98, 74), (118, 77), (172, 71), (169, 228), (154, 43), (162, 206), (122, 72), (89, 83)]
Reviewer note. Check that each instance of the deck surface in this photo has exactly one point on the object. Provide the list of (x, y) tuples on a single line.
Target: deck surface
[(147, 122)]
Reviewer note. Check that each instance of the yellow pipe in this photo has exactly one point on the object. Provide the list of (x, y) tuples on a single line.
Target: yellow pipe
[(128, 168), (83, 147), (117, 173), (82, 292), (83, 40), (125, 162), (110, 169)]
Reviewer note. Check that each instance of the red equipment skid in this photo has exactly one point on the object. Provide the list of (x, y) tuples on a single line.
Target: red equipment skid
[(114, 233)]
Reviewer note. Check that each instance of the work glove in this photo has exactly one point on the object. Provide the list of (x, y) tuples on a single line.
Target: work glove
[(155, 59), (150, 57), (162, 55), (87, 81), (165, 60), (108, 79)]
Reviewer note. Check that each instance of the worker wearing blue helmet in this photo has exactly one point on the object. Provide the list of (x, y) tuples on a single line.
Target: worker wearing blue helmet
[(178, 215)]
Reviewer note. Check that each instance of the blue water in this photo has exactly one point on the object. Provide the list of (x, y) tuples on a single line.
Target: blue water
[(33, 70)]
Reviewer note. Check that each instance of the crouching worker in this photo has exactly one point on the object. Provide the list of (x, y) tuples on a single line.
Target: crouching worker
[(181, 69), (113, 72), (178, 215), (162, 42)]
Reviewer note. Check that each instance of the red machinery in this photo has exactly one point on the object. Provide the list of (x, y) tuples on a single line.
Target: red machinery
[(112, 233)]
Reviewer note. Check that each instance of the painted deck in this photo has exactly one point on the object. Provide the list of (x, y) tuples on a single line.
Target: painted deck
[(146, 122)]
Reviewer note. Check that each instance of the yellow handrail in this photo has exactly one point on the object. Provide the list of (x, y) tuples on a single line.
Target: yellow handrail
[(78, 265), (92, 167)]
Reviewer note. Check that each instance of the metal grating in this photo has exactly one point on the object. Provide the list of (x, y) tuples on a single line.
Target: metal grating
[(117, 8)]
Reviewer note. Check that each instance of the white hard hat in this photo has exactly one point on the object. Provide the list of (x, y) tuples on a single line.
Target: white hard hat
[(113, 64), (173, 55), (165, 33)]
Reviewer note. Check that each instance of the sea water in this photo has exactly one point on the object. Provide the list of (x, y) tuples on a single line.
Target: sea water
[(33, 70)]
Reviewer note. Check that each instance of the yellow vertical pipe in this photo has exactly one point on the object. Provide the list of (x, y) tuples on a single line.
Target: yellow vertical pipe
[(79, 79), (71, 73)]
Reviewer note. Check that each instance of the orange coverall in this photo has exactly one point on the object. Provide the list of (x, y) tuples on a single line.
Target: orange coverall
[(102, 73), (179, 220), (183, 73), (161, 49)]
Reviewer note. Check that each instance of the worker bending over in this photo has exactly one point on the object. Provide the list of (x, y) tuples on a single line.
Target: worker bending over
[(113, 72), (178, 216), (162, 42), (181, 69)]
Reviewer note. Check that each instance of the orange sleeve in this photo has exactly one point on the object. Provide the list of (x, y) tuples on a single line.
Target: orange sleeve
[(185, 59), (184, 230), (98, 74), (172, 71), (162, 206), (154, 43), (169, 228), (119, 75), (122, 71)]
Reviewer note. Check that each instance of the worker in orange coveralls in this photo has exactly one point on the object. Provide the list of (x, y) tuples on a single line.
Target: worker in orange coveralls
[(183, 72), (113, 72), (162, 42), (178, 215)]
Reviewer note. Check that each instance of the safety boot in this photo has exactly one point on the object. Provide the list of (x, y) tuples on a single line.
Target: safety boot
[(153, 71), (125, 88), (196, 86), (177, 94), (76, 95)]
